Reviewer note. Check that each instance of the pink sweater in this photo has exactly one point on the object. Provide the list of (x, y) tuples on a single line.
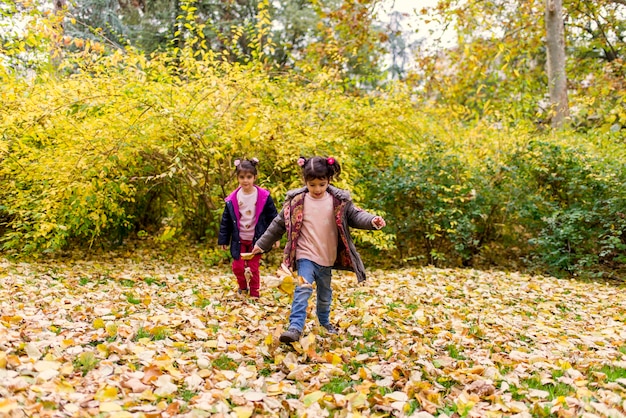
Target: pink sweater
[(318, 239)]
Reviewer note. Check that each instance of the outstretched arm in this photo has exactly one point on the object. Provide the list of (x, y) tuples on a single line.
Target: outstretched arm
[(378, 222), (271, 235), (360, 219)]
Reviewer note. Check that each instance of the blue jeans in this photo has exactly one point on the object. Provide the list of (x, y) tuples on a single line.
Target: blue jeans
[(311, 272)]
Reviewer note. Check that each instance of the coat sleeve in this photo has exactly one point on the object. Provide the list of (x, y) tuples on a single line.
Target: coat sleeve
[(273, 233), (226, 228), (358, 218), (270, 210)]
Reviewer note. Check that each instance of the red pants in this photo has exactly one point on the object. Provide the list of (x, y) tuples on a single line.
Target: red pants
[(239, 268)]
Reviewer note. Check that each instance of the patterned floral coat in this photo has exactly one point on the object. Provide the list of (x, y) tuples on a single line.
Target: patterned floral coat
[(347, 215)]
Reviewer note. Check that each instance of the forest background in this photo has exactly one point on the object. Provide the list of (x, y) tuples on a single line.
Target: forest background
[(120, 120)]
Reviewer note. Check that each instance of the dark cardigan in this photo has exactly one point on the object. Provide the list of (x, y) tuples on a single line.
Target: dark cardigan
[(229, 226)]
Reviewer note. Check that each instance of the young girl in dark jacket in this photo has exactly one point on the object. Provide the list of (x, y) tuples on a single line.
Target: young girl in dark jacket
[(248, 212)]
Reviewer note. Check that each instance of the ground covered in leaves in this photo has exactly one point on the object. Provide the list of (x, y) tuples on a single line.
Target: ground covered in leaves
[(138, 337)]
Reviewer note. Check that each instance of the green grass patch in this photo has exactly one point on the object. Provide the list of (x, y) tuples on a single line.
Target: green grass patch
[(85, 362), (365, 348), (223, 362), (516, 393), (554, 389), (154, 280), (352, 367), (612, 372), (202, 303), (337, 385), (142, 333), (392, 306), (557, 373), (504, 369), (454, 352), (187, 394), (446, 381), (476, 331), (370, 334), (412, 406), (383, 390), (160, 333), (132, 299)]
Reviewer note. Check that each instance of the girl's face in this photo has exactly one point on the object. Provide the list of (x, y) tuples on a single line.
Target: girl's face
[(246, 181), (317, 187)]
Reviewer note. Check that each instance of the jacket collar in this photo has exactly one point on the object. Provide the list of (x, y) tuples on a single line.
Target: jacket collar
[(262, 193), (340, 194)]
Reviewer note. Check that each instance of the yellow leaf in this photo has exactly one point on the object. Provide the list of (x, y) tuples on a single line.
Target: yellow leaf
[(110, 407), (333, 358), (111, 330), (356, 399), (108, 393), (397, 396), (211, 344), (251, 123), (287, 286), (120, 414), (243, 411), (312, 398), (7, 405), (564, 364), (65, 387)]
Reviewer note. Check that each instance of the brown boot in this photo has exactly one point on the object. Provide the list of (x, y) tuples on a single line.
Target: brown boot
[(290, 336)]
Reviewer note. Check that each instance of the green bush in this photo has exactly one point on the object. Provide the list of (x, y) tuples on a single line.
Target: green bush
[(571, 206), (123, 145), (430, 205)]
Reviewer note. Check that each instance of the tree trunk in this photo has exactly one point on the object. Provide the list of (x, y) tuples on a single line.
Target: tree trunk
[(59, 5), (557, 79), (55, 58)]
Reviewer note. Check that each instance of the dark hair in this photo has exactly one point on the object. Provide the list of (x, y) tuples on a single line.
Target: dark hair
[(319, 168), (246, 166)]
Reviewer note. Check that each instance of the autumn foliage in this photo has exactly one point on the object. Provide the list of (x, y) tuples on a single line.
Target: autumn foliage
[(110, 144), (134, 335)]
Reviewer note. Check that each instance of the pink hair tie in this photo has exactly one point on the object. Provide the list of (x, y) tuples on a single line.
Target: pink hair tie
[(301, 161), (255, 160), (330, 160), (237, 162)]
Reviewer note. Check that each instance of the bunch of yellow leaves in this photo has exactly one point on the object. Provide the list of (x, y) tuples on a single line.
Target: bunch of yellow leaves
[(290, 279)]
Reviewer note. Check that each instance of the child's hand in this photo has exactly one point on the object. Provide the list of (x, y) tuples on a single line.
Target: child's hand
[(378, 222), (224, 247), (257, 250), (277, 244)]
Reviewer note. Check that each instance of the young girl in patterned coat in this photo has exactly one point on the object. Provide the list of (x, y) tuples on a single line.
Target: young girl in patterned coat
[(317, 219)]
